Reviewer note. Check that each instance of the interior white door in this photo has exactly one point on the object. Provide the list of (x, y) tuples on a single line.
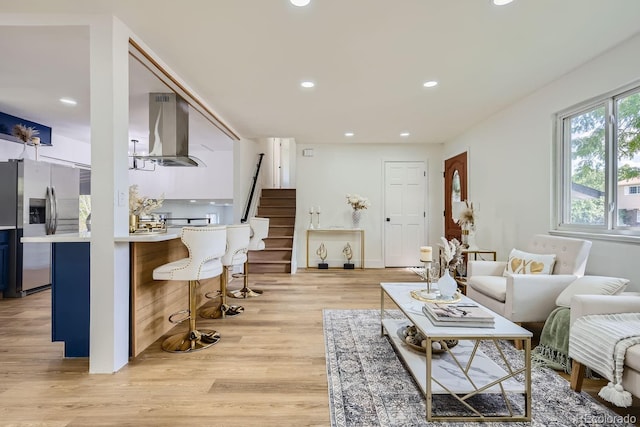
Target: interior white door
[(404, 198)]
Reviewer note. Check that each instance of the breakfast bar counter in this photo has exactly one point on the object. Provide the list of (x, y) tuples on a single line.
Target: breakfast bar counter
[(151, 301)]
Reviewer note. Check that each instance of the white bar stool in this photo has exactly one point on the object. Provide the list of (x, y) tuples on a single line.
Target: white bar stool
[(260, 230), (206, 246), (238, 236)]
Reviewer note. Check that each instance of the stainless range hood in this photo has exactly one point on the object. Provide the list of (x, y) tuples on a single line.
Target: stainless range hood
[(169, 131)]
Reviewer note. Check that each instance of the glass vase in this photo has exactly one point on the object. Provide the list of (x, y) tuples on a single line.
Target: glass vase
[(447, 286)]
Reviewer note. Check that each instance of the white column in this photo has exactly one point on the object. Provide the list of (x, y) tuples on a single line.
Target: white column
[(109, 328)]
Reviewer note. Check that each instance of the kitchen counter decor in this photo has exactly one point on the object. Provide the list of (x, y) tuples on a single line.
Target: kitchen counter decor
[(143, 206)]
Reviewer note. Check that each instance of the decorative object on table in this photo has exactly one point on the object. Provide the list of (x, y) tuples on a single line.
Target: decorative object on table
[(451, 256), (421, 295), (466, 219), (318, 212), (143, 205), (358, 203), (462, 315), (27, 135), (348, 253), (311, 227), (426, 256), (413, 338), (322, 253)]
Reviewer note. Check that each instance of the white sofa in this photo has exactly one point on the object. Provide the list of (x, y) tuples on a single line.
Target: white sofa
[(525, 298), (628, 302)]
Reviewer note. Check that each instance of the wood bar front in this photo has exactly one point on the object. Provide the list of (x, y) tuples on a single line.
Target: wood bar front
[(153, 301)]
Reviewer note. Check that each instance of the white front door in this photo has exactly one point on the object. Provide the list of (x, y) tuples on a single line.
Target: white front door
[(404, 199)]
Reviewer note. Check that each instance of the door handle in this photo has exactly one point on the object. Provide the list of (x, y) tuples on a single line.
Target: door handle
[(54, 219), (388, 219), (48, 211)]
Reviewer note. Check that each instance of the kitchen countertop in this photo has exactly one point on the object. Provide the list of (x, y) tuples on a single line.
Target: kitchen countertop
[(86, 237), (7, 227)]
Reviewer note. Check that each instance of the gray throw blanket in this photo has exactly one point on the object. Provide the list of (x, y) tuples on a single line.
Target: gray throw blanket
[(553, 350)]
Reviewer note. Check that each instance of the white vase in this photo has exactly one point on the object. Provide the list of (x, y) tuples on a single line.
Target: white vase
[(355, 218), (471, 239), (447, 285)]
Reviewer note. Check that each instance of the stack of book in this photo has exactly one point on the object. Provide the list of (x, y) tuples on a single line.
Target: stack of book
[(459, 315)]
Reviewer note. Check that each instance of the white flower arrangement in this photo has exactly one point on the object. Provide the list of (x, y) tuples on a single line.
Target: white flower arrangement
[(451, 253), (358, 202), (142, 205)]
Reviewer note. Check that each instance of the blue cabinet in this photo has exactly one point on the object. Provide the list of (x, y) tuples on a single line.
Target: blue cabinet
[(70, 297), (4, 259)]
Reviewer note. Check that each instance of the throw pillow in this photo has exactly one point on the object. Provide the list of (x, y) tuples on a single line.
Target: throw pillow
[(521, 262), (591, 285)]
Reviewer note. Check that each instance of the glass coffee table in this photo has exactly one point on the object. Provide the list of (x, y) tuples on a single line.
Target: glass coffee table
[(462, 371)]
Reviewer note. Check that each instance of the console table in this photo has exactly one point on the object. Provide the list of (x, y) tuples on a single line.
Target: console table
[(462, 371), (358, 231)]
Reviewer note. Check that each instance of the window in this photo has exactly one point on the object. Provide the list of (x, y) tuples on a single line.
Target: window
[(598, 145), (631, 189)]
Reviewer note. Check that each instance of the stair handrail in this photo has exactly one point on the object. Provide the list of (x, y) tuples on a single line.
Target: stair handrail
[(247, 208)]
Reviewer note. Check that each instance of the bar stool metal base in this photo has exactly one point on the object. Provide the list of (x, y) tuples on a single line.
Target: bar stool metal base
[(245, 292), (223, 309), (186, 342)]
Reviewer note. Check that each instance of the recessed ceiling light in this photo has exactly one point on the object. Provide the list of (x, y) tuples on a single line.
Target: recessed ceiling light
[(300, 2), (192, 201), (501, 2), (212, 203), (430, 83), (349, 134), (68, 101), (307, 84), (405, 134)]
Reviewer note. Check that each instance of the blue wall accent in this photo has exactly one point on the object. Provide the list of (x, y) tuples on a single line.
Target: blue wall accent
[(7, 122)]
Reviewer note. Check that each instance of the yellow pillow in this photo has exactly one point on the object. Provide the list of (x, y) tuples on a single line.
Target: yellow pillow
[(526, 263)]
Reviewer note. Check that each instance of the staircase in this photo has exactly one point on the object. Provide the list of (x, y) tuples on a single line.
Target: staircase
[(279, 205)]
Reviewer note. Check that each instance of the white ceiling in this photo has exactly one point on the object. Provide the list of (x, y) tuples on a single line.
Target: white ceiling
[(369, 58)]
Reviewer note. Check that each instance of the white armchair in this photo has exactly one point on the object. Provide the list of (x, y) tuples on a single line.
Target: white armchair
[(525, 298)]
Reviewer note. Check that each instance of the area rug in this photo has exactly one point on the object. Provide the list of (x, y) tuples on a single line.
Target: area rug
[(369, 386)]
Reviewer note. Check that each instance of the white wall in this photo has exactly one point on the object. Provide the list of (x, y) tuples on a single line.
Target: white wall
[(245, 158), (510, 157), (337, 169)]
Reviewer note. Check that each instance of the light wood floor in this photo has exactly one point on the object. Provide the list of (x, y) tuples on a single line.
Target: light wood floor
[(268, 369)]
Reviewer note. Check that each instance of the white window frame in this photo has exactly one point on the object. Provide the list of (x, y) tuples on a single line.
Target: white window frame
[(562, 166)]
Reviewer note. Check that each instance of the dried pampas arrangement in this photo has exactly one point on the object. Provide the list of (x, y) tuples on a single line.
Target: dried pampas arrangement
[(24, 133), (467, 215)]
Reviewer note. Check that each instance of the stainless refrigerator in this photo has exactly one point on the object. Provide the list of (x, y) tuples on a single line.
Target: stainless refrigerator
[(37, 198)]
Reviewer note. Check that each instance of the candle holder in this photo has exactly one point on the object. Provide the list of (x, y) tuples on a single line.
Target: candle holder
[(311, 227), (318, 223), (427, 277)]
